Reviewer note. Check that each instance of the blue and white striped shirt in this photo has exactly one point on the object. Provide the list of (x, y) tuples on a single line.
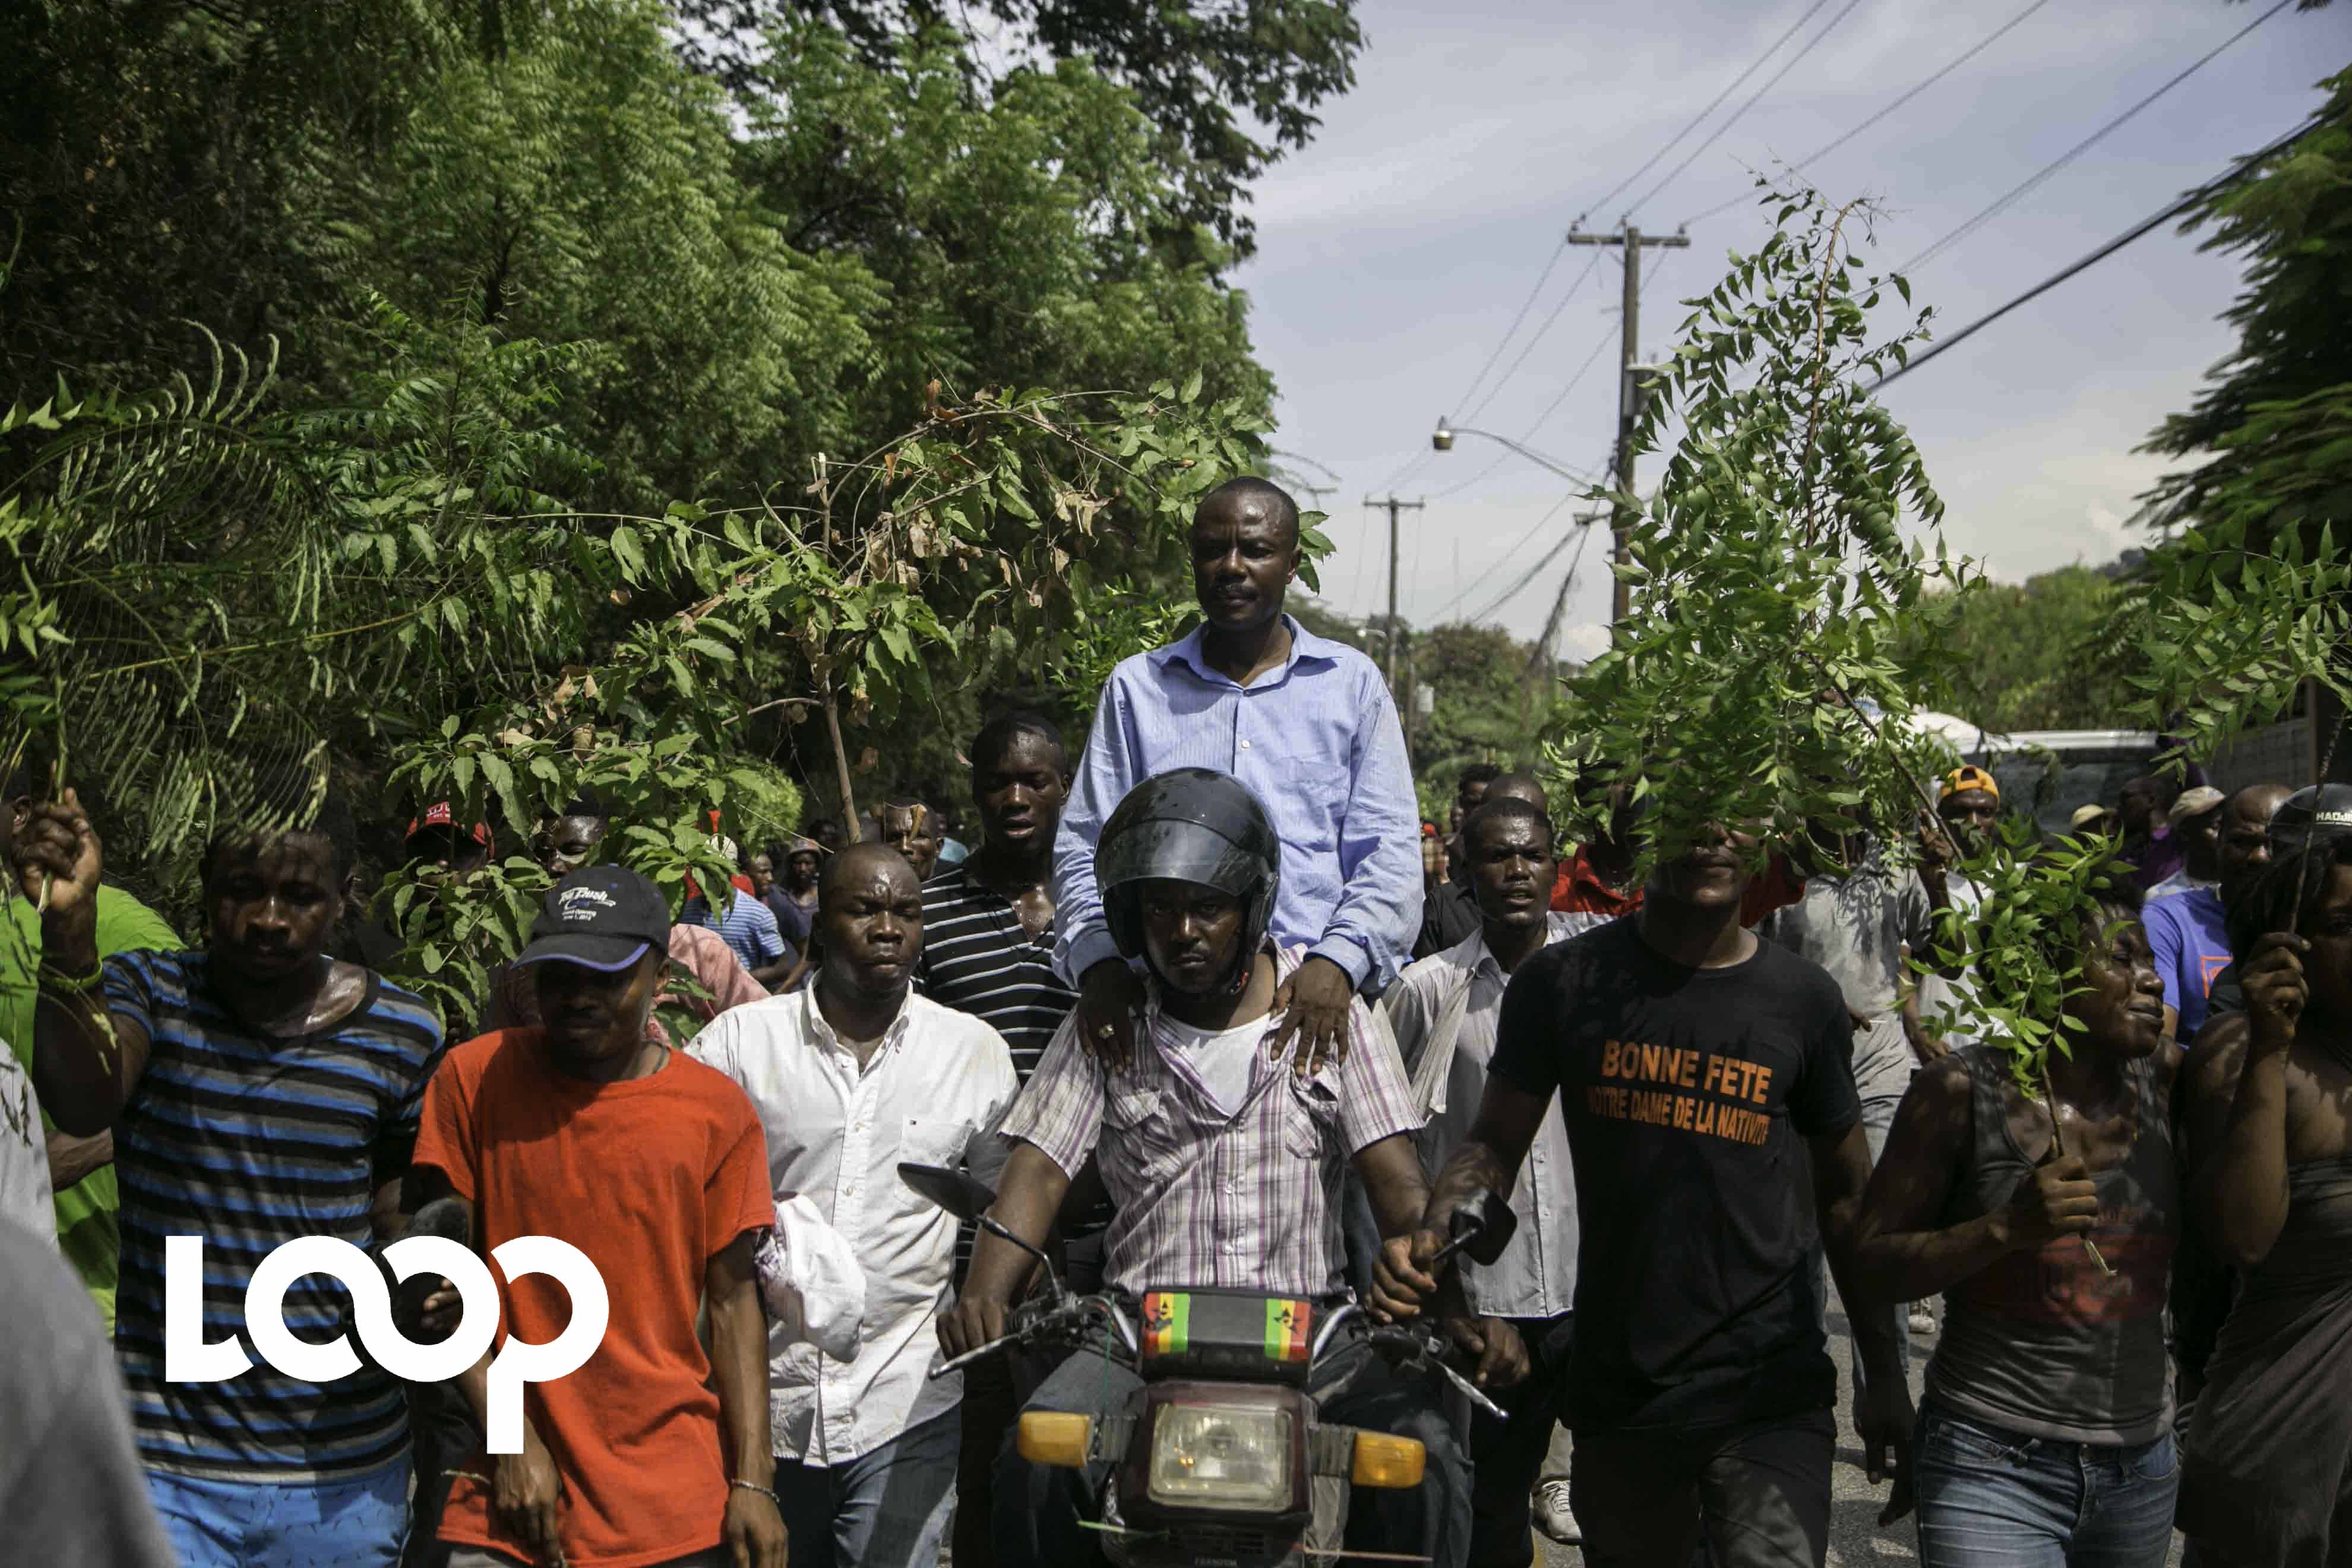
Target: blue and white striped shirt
[(1317, 740), (748, 927), (250, 1141)]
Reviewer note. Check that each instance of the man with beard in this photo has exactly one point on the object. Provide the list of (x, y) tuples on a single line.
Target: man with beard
[(258, 1091), (1224, 1162), (1308, 726), (851, 1076), (1704, 1075)]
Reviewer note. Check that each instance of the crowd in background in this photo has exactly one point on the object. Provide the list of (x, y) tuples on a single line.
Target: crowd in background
[(1283, 1064)]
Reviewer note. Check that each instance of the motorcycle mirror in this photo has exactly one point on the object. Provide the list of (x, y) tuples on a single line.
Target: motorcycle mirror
[(1485, 1227), (962, 1194)]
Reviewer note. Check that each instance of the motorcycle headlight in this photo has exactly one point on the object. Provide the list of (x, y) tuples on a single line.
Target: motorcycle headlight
[(1222, 1455)]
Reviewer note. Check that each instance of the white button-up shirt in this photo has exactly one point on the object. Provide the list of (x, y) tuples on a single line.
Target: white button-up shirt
[(1536, 1276), (933, 1093)]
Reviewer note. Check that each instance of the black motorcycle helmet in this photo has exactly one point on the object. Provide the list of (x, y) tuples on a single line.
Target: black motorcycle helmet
[(1188, 824)]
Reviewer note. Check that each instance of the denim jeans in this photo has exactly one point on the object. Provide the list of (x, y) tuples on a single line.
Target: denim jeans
[(884, 1508), (1996, 1498)]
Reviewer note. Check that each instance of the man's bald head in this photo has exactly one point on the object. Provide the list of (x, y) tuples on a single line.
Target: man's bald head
[(1520, 786), (1249, 493), (861, 866), (2245, 847)]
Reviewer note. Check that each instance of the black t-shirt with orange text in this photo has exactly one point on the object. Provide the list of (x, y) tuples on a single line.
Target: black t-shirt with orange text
[(1688, 1095)]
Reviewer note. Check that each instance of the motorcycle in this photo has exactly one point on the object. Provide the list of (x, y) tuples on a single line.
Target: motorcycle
[(1219, 1459)]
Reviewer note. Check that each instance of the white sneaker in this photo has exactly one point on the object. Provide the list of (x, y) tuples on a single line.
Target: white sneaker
[(1923, 1317), (1552, 1516)]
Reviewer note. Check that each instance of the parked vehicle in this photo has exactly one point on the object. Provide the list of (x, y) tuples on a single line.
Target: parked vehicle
[(1218, 1460)]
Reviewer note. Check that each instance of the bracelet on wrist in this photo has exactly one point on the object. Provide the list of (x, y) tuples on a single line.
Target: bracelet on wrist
[(52, 978), (767, 1492)]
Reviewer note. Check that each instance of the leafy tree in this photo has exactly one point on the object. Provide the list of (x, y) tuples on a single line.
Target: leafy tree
[(2273, 430), (1194, 68), (2039, 655)]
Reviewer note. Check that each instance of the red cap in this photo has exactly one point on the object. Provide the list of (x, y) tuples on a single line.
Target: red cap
[(439, 815)]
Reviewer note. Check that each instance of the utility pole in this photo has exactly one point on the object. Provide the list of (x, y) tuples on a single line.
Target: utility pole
[(1544, 658), (1395, 506), (1630, 240)]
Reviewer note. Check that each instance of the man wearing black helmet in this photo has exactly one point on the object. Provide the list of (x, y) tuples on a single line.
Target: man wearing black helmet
[(1225, 1164)]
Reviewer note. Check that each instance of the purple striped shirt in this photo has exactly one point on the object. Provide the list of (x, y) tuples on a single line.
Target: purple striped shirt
[(1208, 1199)]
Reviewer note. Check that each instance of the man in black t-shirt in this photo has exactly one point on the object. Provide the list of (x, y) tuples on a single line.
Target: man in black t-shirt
[(1718, 1141)]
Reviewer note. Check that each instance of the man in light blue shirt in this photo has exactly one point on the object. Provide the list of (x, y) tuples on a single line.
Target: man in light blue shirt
[(1309, 726)]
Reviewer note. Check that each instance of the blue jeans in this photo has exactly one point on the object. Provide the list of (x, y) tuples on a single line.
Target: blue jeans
[(884, 1508), (1995, 1498), (358, 1521)]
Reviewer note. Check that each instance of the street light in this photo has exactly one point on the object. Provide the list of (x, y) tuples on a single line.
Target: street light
[(1442, 439)]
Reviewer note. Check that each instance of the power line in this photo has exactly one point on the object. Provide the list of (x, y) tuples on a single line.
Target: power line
[(1980, 47), (2093, 139), (1733, 119), (1525, 306), (1532, 341), (1495, 605), (1475, 583), (1713, 104), (2202, 193), (1538, 423)]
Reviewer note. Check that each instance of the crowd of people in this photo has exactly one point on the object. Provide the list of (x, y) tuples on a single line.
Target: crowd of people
[(1191, 1009)]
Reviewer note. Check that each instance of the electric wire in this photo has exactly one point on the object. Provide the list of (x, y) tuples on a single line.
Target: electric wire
[(1505, 342), (1955, 63), (2033, 182), (1495, 606), (1538, 423), (2243, 167), (1538, 337), (1733, 119), (1713, 104)]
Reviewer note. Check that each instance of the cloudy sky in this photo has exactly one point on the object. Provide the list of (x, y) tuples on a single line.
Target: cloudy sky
[(1394, 252)]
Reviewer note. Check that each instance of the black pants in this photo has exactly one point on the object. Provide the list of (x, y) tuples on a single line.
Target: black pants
[(1757, 1494), (1505, 1457), (444, 1436)]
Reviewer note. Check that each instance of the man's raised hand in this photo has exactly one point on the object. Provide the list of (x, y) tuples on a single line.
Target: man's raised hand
[(1402, 1282), (57, 860)]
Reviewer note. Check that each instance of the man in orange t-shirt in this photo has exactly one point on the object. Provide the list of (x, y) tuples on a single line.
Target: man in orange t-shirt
[(654, 1167)]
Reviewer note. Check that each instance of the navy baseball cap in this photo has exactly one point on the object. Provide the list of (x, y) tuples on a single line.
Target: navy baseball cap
[(2314, 817), (600, 917)]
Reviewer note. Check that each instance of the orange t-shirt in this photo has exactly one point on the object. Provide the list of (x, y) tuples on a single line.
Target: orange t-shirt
[(650, 1177)]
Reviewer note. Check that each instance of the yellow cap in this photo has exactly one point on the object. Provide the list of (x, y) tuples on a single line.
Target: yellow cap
[(1971, 777)]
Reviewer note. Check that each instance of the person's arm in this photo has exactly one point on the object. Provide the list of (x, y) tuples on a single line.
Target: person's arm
[(2240, 1190), (771, 943), (1487, 1161), (739, 1366), (1106, 770), (89, 1035), (72, 1158), (1900, 1251), (1841, 1171), (1031, 1196), (1371, 931)]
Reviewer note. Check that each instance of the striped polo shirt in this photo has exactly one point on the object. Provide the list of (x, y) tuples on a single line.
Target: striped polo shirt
[(250, 1141), (978, 959)]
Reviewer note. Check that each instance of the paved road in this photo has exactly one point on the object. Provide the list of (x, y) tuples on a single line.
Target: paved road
[(1856, 1539)]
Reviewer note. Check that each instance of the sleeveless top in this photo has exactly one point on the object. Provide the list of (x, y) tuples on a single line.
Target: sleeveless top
[(2043, 1342), (2266, 1471)]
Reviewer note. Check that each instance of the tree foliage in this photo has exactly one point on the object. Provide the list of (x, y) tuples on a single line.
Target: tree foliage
[(1206, 75), (1768, 578), (2039, 655), (2272, 430)]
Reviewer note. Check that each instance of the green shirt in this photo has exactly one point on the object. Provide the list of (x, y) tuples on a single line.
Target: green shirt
[(86, 1231)]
